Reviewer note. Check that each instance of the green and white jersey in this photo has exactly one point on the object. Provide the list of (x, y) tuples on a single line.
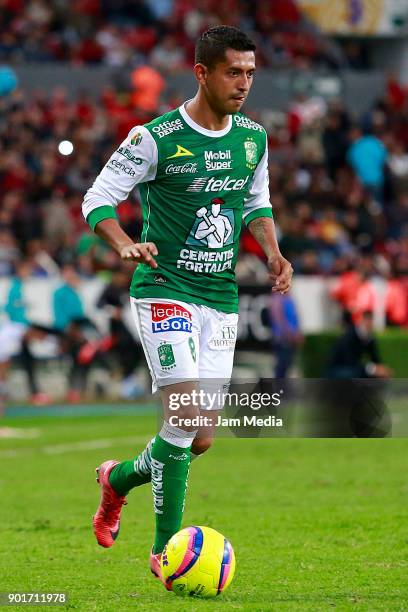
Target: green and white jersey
[(196, 186)]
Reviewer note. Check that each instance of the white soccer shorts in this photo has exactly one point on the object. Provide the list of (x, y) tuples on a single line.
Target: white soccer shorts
[(11, 339), (185, 342)]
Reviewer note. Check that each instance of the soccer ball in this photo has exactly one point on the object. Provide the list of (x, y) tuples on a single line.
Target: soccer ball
[(198, 561)]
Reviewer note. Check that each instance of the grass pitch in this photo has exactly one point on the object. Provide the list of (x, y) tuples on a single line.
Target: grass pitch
[(315, 524)]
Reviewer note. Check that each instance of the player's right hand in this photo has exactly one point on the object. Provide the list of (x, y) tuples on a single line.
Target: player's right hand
[(140, 252)]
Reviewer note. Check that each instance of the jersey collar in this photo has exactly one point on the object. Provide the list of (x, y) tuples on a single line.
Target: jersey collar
[(198, 128)]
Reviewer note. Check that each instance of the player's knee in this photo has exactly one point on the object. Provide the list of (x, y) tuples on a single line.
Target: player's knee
[(200, 445)]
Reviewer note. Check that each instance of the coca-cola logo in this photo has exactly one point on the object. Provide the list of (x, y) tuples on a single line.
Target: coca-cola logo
[(189, 167)]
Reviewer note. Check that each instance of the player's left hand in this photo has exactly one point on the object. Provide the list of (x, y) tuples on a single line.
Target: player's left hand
[(140, 252), (280, 272)]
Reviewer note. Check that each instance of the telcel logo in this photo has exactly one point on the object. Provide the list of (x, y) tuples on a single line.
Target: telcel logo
[(213, 184)]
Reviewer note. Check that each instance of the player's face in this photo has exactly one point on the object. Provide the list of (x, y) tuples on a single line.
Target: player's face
[(227, 85)]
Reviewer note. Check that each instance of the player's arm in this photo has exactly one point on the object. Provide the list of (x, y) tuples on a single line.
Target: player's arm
[(125, 247), (259, 220), (129, 165), (280, 269)]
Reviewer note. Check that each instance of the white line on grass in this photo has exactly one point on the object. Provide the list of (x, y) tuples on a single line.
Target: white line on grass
[(75, 447), (7, 433)]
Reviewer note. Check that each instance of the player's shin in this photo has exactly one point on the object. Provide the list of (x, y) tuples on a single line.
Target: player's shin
[(170, 468), (136, 472), (130, 474)]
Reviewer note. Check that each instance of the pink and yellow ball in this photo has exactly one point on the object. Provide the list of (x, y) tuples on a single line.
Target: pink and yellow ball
[(198, 561)]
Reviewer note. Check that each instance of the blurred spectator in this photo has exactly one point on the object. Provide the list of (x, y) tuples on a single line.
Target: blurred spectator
[(304, 112), (286, 334), (396, 301), (356, 354), (114, 299), (355, 291), (367, 156), (335, 143), (398, 218), (346, 288), (67, 304), (168, 56), (70, 320), (16, 307), (397, 163), (356, 57), (9, 252), (42, 264), (396, 94), (148, 84), (17, 334)]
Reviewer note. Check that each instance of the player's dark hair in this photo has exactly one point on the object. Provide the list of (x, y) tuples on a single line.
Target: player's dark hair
[(212, 44)]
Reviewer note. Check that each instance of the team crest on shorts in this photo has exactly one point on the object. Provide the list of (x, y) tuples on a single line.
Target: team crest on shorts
[(166, 356), (170, 317)]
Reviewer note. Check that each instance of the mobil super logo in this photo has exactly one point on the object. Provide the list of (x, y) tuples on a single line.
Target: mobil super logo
[(170, 317)]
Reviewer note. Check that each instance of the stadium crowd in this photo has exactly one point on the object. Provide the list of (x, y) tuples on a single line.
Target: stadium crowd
[(162, 33)]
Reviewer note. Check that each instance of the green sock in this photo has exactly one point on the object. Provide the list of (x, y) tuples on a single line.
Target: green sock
[(129, 474), (170, 466)]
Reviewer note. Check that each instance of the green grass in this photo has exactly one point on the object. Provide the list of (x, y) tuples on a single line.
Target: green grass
[(315, 524)]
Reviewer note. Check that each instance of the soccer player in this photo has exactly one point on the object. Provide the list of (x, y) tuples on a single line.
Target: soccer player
[(201, 169)]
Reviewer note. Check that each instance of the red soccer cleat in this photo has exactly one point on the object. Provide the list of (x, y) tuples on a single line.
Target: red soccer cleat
[(155, 568), (106, 522)]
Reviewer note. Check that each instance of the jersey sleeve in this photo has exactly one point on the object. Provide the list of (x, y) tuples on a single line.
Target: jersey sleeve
[(257, 203), (134, 162)]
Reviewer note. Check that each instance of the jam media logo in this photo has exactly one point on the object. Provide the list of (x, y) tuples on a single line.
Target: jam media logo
[(170, 317)]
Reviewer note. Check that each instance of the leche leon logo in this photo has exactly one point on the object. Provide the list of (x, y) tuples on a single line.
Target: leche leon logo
[(170, 317)]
